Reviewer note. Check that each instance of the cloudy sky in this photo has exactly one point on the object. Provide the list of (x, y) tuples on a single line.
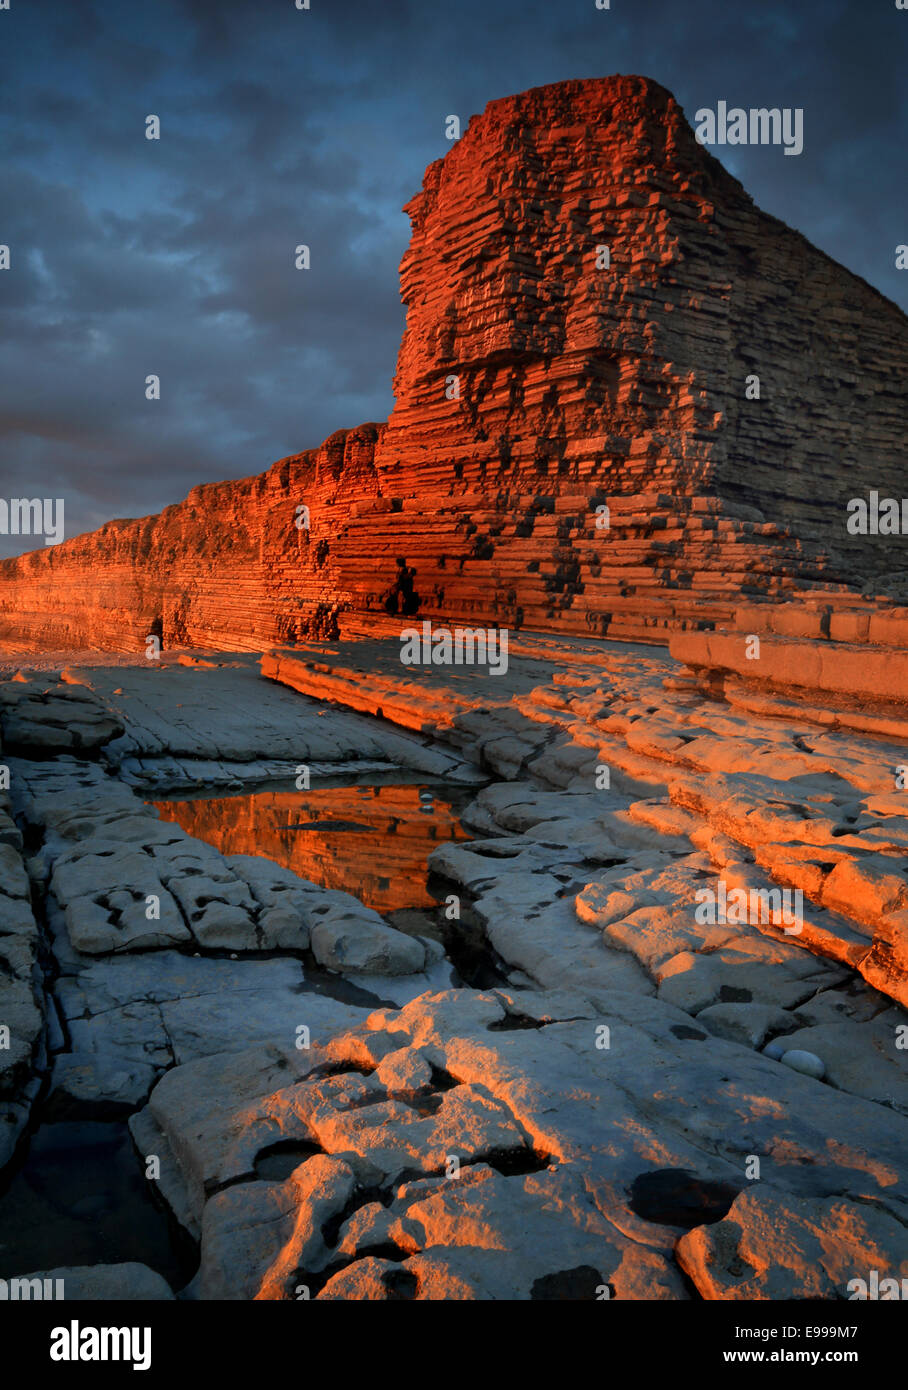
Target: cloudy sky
[(281, 126)]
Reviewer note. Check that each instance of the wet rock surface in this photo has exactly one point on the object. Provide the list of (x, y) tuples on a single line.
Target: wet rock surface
[(322, 1105)]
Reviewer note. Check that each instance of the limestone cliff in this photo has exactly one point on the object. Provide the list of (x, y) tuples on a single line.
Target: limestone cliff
[(536, 386)]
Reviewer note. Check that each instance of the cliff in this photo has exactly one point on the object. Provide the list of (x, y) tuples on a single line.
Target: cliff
[(534, 386)]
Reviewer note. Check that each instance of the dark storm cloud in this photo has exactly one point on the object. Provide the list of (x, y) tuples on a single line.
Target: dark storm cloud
[(279, 127)]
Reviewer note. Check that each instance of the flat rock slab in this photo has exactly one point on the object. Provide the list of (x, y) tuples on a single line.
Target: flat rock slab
[(54, 716), (129, 1019), (227, 715), (503, 1142)]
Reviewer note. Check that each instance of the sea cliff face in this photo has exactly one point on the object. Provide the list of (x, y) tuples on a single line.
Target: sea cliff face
[(576, 443)]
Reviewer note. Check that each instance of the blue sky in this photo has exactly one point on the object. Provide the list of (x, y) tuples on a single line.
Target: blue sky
[(280, 126)]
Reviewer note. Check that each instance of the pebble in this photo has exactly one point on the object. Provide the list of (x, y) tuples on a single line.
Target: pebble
[(807, 1062)]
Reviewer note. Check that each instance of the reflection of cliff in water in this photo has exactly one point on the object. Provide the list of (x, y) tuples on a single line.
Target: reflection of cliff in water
[(372, 841)]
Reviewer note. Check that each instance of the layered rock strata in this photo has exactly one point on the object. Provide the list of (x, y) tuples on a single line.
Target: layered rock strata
[(537, 386)]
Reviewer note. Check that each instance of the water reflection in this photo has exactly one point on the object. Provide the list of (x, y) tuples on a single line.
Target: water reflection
[(372, 841)]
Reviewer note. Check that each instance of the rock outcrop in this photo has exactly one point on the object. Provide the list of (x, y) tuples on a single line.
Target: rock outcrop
[(561, 1095), (774, 793), (537, 386)]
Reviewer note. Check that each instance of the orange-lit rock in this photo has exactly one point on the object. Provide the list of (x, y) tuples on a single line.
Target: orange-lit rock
[(578, 1168), (773, 1247), (532, 388)]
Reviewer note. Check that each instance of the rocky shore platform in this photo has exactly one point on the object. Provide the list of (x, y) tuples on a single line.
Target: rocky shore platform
[(579, 1076)]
